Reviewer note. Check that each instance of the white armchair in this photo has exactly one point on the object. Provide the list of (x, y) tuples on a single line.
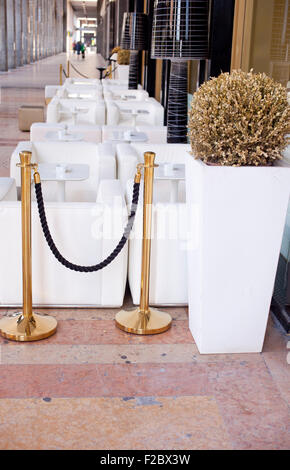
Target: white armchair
[(168, 268), (76, 111), (99, 157), (152, 115), (39, 131), (129, 155), (8, 190), (81, 231)]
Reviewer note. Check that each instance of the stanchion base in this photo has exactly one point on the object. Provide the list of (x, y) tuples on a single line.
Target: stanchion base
[(138, 323), (17, 328)]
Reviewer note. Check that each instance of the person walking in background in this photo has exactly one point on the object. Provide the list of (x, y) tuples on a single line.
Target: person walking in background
[(83, 50), (74, 46), (78, 48)]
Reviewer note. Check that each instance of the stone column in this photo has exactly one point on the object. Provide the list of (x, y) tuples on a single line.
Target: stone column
[(50, 27), (3, 37), (59, 26), (44, 28), (18, 32), (36, 32), (24, 22), (42, 5), (10, 33), (64, 25), (31, 26)]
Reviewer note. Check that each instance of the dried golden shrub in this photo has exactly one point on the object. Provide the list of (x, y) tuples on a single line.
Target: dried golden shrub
[(239, 119), (123, 57), (116, 50)]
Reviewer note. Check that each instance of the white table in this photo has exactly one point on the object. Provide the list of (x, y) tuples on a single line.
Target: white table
[(64, 136), (134, 113), (129, 136), (74, 113), (173, 172), (62, 173)]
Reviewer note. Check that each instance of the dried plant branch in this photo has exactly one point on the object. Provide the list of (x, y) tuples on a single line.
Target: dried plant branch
[(239, 119), (123, 57)]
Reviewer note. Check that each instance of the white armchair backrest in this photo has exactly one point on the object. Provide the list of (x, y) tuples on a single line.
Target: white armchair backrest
[(80, 91), (154, 115), (174, 153), (83, 82), (99, 157), (39, 130), (95, 114), (129, 155)]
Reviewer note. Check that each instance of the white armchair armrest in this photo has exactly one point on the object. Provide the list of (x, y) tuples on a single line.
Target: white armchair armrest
[(107, 161), (113, 113), (52, 114), (127, 160), (158, 112)]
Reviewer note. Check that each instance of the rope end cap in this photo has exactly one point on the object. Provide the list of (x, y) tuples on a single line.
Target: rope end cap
[(36, 177)]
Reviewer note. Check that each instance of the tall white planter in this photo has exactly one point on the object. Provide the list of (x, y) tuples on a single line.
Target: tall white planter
[(237, 217), (122, 72)]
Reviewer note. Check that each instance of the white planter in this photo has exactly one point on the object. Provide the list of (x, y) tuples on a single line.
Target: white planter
[(122, 72), (237, 218)]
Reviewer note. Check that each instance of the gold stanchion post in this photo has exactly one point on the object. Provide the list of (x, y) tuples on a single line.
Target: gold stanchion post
[(145, 320), (26, 325), (68, 69), (60, 74)]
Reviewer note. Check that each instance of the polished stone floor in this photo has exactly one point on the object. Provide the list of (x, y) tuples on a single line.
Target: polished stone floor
[(92, 386)]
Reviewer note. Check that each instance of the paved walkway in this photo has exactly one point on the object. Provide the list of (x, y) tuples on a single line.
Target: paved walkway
[(92, 386), (46, 71), (25, 85)]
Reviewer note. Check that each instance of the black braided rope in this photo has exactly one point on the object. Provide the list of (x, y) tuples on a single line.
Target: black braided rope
[(76, 70), (63, 71), (105, 262)]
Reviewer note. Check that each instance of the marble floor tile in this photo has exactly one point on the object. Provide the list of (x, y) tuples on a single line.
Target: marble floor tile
[(251, 404), (112, 423), (104, 332), (96, 380), (40, 353)]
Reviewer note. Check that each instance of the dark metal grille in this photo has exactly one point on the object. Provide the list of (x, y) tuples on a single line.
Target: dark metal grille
[(180, 29), (135, 32)]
